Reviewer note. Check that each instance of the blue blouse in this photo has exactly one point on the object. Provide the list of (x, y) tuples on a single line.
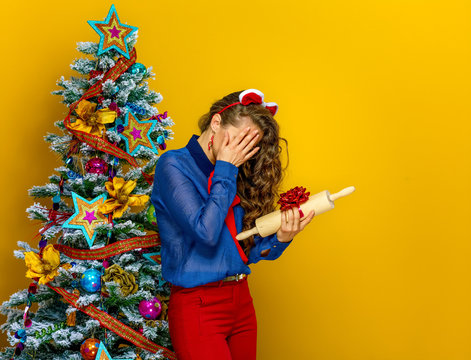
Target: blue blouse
[(196, 245)]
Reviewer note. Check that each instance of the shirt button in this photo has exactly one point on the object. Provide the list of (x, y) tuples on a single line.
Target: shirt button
[(274, 245)]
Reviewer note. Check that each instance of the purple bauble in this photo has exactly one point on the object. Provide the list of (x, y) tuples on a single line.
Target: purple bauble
[(150, 309), (96, 166)]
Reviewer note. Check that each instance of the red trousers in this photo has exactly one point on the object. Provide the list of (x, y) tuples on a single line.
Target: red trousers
[(214, 321)]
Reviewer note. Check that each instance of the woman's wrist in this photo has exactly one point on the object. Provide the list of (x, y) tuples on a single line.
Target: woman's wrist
[(285, 241), (225, 168), (282, 239)]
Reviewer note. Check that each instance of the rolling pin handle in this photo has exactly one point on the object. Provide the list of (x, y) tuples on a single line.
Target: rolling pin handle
[(245, 234), (342, 193)]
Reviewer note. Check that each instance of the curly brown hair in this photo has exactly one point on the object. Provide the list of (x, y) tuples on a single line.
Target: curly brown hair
[(259, 177)]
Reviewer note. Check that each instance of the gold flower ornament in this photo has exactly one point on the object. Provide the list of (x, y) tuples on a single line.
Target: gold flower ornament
[(45, 268), (126, 280), (121, 198)]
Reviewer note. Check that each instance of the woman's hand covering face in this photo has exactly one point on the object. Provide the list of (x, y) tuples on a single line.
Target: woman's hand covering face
[(240, 148)]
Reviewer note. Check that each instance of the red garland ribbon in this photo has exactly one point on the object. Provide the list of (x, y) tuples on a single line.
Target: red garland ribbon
[(55, 218), (293, 197), (98, 143), (116, 248), (109, 322), (93, 140), (94, 73), (104, 318)]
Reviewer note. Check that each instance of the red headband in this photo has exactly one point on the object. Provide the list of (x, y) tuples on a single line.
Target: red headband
[(253, 96)]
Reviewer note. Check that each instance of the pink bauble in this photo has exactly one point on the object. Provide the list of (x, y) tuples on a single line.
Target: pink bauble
[(150, 309), (96, 166)]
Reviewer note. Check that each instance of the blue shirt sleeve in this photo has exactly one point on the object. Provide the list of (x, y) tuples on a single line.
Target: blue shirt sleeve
[(268, 242), (203, 219)]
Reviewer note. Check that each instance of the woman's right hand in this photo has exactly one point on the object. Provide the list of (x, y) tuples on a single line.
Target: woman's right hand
[(239, 149)]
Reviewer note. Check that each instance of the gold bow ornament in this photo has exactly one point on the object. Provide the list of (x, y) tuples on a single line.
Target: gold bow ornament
[(91, 121)]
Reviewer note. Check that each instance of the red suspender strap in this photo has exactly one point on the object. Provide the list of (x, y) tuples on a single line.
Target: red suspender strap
[(230, 220)]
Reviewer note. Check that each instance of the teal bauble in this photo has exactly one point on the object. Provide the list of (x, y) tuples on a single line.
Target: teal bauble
[(151, 215), (91, 280), (137, 68)]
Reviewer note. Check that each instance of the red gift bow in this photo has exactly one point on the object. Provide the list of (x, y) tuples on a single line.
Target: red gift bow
[(293, 197)]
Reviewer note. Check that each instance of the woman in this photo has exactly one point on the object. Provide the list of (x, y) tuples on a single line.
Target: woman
[(204, 194)]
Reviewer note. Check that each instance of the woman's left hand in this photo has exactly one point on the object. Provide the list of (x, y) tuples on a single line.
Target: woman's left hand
[(291, 224)]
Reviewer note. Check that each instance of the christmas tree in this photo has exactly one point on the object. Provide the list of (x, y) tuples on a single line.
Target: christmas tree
[(96, 274)]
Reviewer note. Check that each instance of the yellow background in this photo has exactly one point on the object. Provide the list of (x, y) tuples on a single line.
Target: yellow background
[(373, 94)]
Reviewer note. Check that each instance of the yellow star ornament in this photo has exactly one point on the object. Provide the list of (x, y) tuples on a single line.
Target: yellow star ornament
[(119, 191), (92, 121), (45, 268)]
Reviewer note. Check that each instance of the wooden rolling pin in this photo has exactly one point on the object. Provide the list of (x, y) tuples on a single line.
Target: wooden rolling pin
[(320, 203)]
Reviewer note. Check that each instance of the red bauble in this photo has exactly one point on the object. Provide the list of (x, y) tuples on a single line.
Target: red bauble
[(89, 349), (96, 166), (33, 288)]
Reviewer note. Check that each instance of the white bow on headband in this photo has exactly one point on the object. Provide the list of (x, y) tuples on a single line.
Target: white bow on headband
[(254, 96)]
